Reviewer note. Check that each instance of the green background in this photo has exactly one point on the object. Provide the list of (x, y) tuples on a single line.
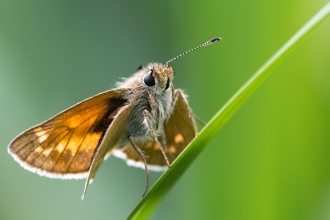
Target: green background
[(271, 161)]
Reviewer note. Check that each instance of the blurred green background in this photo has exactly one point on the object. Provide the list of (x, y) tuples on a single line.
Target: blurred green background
[(271, 161)]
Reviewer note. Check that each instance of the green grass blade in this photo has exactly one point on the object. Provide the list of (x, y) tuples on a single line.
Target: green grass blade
[(151, 200)]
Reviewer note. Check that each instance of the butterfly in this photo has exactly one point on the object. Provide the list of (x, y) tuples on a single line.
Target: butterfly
[(144, 121)]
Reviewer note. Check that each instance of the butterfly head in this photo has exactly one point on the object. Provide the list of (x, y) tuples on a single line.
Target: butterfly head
[(158, 77)]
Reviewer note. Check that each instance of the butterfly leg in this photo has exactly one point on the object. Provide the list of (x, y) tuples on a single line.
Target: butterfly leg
[(198, 119), (138, 150), (154, 106), (148, 117)]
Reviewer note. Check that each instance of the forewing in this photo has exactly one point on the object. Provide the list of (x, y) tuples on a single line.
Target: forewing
[(64, 146), (179, 131)]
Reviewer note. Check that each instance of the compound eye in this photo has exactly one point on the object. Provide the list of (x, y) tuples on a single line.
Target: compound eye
[(149, 78)]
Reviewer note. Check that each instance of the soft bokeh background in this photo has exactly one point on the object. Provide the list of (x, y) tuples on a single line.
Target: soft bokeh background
[(271, 161)]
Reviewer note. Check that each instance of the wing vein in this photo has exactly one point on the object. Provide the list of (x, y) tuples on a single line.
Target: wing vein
[(29, 143), (62, 150), (52, 148), (90, 128)]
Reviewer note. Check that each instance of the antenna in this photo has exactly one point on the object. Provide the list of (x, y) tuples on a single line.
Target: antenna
[(200, 46)]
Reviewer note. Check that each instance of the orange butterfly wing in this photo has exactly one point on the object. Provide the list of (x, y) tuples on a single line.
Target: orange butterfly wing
[(179, 130), (64, 146)]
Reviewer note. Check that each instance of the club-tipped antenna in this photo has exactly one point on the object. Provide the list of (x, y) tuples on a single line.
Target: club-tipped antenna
[(200, 46)]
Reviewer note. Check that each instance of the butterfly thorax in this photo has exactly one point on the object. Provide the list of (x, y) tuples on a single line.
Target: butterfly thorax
[(156, 99)]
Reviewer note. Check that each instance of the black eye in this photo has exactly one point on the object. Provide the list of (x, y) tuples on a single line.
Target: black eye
[(149, 79), (167, 84)]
